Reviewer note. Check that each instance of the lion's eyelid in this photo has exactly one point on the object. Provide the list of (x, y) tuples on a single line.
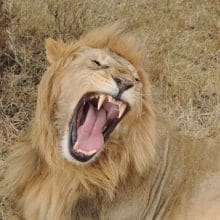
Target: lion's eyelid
[(137, 79), (99, 64), (96, 62)]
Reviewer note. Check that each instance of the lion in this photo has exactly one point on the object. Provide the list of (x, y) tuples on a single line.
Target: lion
[(96, 149)]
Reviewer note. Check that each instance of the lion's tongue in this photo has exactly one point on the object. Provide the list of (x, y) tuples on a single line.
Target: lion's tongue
[(89, 134)]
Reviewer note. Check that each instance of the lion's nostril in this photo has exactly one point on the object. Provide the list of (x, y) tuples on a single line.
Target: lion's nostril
[(117, 80), (122, 84)]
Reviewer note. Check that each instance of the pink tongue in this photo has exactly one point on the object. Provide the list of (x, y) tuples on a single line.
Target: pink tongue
[(89, 135)]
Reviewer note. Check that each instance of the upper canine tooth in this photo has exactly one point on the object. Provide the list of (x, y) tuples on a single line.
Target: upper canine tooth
[(122, 107), (101, 100)]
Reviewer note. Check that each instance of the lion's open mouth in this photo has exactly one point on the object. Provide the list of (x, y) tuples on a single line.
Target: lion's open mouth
[(94, 118)]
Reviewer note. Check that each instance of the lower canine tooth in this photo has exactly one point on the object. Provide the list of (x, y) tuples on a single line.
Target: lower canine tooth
[(101, 101), (122, 108)]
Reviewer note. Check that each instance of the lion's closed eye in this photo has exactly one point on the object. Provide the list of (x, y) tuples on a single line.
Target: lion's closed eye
[(98, 64)]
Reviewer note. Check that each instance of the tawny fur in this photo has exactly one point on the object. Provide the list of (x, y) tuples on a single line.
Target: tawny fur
[(138, 175)]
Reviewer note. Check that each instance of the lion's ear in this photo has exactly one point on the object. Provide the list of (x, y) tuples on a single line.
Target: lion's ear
[(54, 49)]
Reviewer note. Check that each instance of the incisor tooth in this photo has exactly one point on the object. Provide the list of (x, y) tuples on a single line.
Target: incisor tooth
[(78, 150), (76, 146), (101, 100), (87, 153), (110, 99), (121, 109)]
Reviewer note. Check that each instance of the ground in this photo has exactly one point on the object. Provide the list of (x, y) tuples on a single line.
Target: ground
[(182, 57)]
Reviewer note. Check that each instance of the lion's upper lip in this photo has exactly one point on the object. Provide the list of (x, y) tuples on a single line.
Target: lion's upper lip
[(94, 118)]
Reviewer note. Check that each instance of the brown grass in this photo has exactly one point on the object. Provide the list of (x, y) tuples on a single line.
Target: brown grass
[(181, 41)]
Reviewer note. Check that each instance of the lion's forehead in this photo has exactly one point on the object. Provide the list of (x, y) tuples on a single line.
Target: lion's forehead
[(106, 57)]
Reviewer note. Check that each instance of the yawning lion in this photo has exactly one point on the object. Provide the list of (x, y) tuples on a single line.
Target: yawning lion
[(95, 149)]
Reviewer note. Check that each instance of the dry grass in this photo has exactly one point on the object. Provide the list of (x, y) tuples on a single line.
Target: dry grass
[(181, 41)]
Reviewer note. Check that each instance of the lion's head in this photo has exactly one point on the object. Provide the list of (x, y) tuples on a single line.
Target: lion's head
[(94, 105)]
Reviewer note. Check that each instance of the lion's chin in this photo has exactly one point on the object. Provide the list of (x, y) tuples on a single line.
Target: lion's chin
[(94, 118)]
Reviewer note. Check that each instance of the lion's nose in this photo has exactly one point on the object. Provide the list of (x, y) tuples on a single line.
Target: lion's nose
[(122, 84)]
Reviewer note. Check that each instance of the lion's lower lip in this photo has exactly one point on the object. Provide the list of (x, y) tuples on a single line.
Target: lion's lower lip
[(82, 131), (81, 157)]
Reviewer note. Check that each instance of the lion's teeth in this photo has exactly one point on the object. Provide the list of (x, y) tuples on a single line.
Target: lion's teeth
[(87, 153), (110, 99), (90, 152), (101, 100), (121, 109), (104, 128), (76, 146), (78, 150)]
